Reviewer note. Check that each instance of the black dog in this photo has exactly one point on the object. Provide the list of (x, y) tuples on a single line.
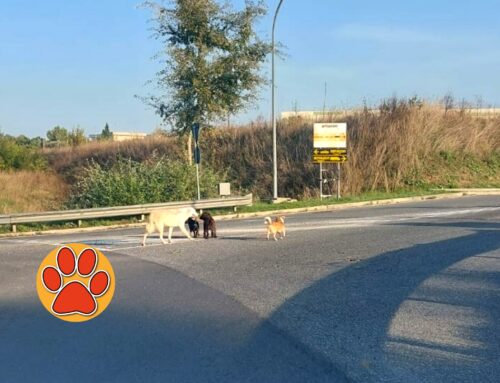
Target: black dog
[(208, 225), (194, 226)]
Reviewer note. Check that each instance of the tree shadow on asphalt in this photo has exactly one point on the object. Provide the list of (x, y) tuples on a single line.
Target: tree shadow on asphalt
[(168, 327), (161, 326), (371, 319)]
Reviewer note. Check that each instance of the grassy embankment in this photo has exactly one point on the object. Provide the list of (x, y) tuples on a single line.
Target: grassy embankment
[(30, 191), (405, 148)]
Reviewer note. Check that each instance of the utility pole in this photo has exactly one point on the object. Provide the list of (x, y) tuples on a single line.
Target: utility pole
[(275, 156)]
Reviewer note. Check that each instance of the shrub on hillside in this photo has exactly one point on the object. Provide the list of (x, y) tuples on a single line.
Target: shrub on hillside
[(69, 161), (129, 182), (405, 144), (15, 155)]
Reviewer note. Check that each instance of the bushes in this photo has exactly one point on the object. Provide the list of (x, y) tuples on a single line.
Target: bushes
[(70, 161), (406, 144), (14, 155), (128, 182)]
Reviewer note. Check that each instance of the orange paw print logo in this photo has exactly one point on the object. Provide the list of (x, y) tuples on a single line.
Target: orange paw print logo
[(74, 287)]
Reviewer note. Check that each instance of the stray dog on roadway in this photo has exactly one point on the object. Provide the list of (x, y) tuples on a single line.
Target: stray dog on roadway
[(159, 219), (194, 226), (275, 227), (208, 225)]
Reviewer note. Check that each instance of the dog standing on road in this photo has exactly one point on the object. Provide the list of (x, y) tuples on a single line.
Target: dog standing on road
[(208, 225), (275, 227), (170, 218), (194, 227)]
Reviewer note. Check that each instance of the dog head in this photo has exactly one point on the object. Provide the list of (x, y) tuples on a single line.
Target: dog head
[(206, 216)]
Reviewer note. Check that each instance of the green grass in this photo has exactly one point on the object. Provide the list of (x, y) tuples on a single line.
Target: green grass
[(39, 227), (368, 196)]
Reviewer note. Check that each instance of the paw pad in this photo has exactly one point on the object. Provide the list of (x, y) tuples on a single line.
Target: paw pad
[(73, 284)]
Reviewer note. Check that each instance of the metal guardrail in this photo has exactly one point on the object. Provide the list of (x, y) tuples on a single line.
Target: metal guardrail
[(119, 211)]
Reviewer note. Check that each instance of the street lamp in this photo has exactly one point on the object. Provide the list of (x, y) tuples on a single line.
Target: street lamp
[(275, 162)]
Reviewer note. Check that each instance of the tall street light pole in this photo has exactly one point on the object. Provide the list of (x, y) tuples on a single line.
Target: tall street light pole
[(275, 162)]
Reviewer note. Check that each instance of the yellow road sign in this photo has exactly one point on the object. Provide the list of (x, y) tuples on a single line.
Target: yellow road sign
[(329, 155), (327, 158)]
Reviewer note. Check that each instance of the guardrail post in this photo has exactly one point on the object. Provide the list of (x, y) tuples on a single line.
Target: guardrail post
[(79, 223), (14, 228)]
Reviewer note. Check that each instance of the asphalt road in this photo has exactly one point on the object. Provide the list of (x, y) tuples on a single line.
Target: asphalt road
[(399, 293)]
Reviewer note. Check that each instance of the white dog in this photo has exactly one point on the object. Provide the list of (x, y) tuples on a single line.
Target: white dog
[(170, 218)]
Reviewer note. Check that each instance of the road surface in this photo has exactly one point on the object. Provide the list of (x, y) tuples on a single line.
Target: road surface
[(398, 293)]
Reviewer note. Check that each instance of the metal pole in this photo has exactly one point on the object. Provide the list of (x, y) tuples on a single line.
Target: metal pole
[(275, 161), (198, 180), (338, 180), (320, 180)]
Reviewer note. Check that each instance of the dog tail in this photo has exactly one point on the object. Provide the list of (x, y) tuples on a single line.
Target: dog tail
[(267, 220)]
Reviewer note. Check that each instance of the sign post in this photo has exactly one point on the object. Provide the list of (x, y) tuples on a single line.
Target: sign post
[(329, 146), (196, 153)]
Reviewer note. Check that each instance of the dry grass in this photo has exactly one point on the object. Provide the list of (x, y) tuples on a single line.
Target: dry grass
[(69, 161), (404, 145), (31, 191)]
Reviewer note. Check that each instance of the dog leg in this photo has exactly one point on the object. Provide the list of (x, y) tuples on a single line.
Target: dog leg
[(186, 233), (170, 229), (160, 229), (275, 237), (148, 230), (268, 232), (214, 232)]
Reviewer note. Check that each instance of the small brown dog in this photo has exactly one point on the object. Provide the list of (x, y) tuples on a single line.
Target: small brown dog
[(208, 225), (276, 227)]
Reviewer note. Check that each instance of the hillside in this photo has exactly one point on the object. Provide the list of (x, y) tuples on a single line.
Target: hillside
[(402, 146)]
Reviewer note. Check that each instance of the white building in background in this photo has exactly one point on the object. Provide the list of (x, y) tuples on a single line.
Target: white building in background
[(121, 136), (125, 136), (314, 115)]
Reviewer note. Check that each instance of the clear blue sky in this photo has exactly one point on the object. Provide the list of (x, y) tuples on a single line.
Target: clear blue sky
[(80, 63)]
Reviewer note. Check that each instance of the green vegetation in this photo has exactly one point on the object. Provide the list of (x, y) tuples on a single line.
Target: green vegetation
[(39, 227), (59, 136), (256, 207), (213, 59), (405, 147), (20, 152), (128, 182), (312, 202), (106, 133)]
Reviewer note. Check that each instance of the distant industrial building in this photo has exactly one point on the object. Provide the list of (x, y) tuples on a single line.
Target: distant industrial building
[(121, 136), (312, 115)]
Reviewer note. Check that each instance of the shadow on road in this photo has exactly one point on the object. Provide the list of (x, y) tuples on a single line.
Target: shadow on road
[(410, 315), (160, 327), (368, 318)]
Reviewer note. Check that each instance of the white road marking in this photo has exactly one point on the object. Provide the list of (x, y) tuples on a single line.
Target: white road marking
[(112, 244)]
